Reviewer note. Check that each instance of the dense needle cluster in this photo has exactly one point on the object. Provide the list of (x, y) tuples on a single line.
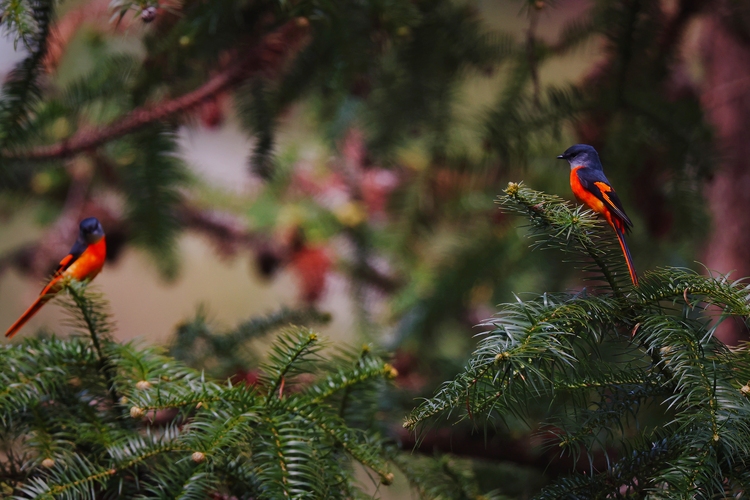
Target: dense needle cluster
[(88, 417), (630, 381)]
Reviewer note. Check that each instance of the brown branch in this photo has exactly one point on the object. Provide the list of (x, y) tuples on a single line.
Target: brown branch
[(228, 233), (267, 57)]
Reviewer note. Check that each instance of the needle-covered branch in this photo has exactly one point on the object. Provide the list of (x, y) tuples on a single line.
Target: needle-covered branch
[(556, 224), (181, 434), (638, 375)]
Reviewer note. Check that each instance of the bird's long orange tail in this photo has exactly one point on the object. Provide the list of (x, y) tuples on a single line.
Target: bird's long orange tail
[(30, 312), (626, 253)]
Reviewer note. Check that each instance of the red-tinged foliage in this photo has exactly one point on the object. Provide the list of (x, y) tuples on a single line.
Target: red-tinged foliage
[(211, 113), (406, 364), (311, 265), (249, 377), (377, 186)]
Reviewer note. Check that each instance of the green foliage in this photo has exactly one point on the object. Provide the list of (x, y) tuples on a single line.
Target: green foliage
[(416, 83), (634, 374), (262, 118), (180, 434), (222, 353), (27, 20), (151, 182), (170, 432), (443, 478), (31, 22)]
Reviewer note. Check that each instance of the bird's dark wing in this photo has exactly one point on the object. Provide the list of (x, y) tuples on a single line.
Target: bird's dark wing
[(597, 184)]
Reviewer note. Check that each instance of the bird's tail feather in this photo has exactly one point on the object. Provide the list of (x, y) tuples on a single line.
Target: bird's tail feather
[(626, 253), (30, 312)]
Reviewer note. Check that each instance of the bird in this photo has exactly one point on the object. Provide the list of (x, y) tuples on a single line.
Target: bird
[(85, 260), (591, 187)]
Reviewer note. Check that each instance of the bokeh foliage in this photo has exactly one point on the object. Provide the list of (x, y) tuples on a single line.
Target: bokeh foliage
[(396, 71), (405, 161)]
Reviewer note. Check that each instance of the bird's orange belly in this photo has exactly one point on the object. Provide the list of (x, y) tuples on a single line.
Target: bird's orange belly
[(89, 263), (583, 195)]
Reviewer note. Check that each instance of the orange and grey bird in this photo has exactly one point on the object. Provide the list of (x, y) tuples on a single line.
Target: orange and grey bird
[(84, 261), (591, 187)]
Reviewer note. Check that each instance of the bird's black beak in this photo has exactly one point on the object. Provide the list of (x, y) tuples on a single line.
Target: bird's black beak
[(560, 157)]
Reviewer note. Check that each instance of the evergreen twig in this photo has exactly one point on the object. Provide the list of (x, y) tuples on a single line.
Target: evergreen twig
[(96, 325), (21, 89), (264, 58)]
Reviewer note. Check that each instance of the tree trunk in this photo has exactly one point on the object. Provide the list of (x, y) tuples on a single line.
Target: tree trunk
[(726, 101)]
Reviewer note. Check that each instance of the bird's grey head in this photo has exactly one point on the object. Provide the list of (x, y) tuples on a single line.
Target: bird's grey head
[(91, 230), (581, 154)]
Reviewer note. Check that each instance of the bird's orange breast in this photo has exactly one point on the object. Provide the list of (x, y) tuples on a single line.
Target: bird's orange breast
[(89, 263), (584, 195), (590, 200)]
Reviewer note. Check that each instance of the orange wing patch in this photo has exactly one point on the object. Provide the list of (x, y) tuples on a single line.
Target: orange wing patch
[(620, 218), (65, 261), (606, 188)]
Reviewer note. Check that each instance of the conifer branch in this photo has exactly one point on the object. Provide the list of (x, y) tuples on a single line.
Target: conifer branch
[(438, 477), (348, 440), (666, 284), (556, 349), (21, 89), (97, 326), (236, 425), (227, 436), (136, 452), (267, 57), (60, 489), (286, 358), (559, 226), (345, 381)]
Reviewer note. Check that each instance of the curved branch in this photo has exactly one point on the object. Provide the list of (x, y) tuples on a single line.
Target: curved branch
[(266, 57)]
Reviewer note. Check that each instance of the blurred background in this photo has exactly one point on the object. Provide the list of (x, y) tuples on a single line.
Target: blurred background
[(343, 158)]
